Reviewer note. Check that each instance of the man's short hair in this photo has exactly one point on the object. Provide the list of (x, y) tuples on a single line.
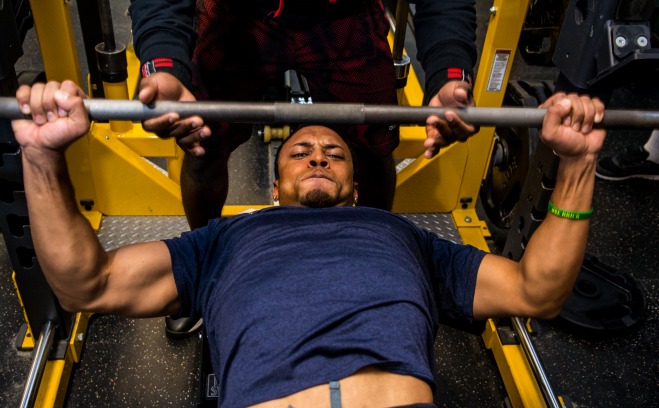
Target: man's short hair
[(297, 128)]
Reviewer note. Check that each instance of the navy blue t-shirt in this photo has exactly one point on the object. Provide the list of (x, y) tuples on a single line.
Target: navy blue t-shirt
[(296, 297)]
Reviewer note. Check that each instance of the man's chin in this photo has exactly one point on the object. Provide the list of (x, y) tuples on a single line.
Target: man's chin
[(318, 199)]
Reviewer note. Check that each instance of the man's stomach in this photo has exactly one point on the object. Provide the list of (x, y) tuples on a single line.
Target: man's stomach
[(368, 387)]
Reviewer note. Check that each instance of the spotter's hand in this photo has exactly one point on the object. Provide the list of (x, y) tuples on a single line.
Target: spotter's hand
[(58, 115), (568, 125), (441, 133), (189, 132)]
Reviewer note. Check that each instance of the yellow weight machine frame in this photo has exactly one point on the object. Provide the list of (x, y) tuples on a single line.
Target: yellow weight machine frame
[(112, 177)]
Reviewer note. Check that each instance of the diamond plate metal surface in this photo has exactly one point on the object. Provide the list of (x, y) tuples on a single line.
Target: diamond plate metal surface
[(124, 230), (440, 223), (118, 231)]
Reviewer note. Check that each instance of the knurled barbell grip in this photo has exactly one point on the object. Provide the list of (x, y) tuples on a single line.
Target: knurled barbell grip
[(330, 113)]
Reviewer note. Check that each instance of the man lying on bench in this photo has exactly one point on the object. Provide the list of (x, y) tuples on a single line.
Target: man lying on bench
[(315, 303)]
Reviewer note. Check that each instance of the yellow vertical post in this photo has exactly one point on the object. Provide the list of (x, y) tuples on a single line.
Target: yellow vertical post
[(52, 23), (505, 26), (118, 91)]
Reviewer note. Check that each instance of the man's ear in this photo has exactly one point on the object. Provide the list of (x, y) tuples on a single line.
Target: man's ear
[(275, 188)]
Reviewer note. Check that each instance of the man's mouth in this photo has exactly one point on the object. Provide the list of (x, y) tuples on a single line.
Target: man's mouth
[(318, 174)]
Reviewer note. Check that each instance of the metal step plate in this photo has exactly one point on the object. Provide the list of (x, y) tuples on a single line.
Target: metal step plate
[(116, 231), (123, 230)]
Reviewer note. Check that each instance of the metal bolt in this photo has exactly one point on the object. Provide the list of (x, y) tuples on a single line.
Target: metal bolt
[(621, 41), (642, 41), (107, 137), (80, 337), (467, 219), (493, 11)]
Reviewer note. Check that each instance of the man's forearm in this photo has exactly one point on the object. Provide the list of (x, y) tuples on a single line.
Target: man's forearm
[(163, 29), (446, 38), (67, 247), (554, 254)]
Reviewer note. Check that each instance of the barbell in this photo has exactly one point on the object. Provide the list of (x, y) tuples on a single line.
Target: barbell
[(330, 113)]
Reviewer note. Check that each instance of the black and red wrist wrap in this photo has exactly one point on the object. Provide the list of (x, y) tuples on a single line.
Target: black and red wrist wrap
[(170, 66)]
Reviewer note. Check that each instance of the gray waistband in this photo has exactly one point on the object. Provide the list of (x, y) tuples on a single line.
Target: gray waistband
[(335, 394)]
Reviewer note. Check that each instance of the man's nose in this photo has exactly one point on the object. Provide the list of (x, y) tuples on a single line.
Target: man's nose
[(318, 161), (321, 163)]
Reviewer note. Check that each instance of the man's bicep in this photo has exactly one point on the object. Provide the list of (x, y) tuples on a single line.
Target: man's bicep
[(140, 281), (499, 289)]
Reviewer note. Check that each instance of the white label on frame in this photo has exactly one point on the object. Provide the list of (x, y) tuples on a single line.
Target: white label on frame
[(498, 71)]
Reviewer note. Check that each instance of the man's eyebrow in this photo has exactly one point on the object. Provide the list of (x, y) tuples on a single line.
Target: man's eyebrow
[(332, 146), (303, 144), (324, 146)]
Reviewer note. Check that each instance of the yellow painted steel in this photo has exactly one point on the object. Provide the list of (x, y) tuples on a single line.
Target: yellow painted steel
[(128, 183), (505, 25), (27, 342), (411, 142), (108, 166), (472, 230), (57, 373), (80, 168), (411, 137), (497, 57), (174, 164), (430, 185), (147, 144), (131, 185), (133, 64), (94, 218), (55, 380), (517, 375), (426, 185), (118, 91), (52, 23), (78, 334)]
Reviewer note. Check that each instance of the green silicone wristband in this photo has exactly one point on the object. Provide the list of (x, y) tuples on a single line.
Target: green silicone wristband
[(570, 215)]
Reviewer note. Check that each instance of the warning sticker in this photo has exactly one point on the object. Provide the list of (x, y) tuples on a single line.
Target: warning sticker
[(498, 71)]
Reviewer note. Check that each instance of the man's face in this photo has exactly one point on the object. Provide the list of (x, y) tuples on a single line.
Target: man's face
[(315, 170)]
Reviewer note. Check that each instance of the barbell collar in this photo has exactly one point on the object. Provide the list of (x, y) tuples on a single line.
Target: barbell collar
[(330, 113)]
